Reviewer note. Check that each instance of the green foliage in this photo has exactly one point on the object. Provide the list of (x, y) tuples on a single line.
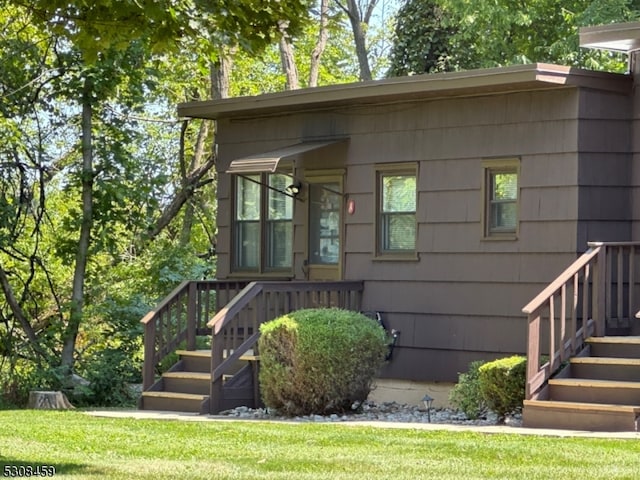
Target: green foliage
[(466, 394), (502, 385), (442, 35), (422, 40), (110, 373), (319, 361), (21, 377), (100, 25)]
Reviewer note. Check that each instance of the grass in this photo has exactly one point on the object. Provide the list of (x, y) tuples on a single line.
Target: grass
[(84, 447)]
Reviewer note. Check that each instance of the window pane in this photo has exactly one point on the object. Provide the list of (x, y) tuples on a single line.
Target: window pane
[(399, 193), (398, 232), (324, 227), (247, 244), (503, 211), (504, 216), (505, 186), (248, 198), (280, 205), (280, 245)]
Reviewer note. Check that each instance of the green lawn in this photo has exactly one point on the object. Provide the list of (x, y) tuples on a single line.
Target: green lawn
[(80, 446)]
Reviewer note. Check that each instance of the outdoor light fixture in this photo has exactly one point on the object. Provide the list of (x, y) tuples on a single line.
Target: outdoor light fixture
[(294, 189), (428, 401)]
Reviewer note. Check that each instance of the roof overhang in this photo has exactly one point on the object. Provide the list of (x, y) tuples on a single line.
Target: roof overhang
[(269, 161), (618, 37), (403, 89)]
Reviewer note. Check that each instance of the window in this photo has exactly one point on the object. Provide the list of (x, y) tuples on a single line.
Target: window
[(501, 198), (248, 222), (263, 216), (396, 219)]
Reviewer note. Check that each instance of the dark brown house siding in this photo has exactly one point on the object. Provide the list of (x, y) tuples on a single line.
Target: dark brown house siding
[(461, 299), (605, 167)]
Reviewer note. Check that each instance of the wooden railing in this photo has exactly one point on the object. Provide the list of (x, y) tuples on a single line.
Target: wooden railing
[(597, 292), (181, 317), (236, 326)]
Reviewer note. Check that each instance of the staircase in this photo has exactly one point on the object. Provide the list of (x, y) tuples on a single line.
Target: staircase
[(185, 387), (583, 354), (597, 391), (228, 315)]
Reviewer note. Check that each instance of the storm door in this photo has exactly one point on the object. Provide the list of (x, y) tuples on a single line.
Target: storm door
[(324, 260)]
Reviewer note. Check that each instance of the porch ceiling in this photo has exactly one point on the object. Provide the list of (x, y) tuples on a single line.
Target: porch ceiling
[(403, 89)]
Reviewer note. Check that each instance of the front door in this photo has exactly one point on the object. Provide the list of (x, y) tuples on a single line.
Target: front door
[(324, 259)]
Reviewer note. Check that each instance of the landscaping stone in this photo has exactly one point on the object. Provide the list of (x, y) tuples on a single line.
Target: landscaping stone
[(385, 412)]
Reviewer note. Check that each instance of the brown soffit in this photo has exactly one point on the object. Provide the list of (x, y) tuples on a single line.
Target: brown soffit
[(619, 37), (536, 76), (268, 161)]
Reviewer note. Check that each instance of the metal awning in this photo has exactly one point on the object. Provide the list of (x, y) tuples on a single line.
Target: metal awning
[(619, 37), (269, 161)]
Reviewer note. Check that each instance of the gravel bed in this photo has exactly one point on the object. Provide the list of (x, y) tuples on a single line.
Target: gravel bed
[(384, 412)]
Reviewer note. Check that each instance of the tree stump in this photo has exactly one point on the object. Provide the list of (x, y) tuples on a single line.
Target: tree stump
[(43, 400)]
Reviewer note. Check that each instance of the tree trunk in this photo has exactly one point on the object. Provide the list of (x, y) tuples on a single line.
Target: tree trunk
[(44, 400), (18, 313), (357, 20), (82, 253), (193, 182), (196, 160), (321, 43), (221, 75), (287, 58)]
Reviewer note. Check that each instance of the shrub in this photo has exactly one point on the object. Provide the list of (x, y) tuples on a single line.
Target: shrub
[(502, 384), (466, 394), (319, 361), (108, 375)]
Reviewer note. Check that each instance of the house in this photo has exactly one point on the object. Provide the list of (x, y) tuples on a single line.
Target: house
[(452, 199)]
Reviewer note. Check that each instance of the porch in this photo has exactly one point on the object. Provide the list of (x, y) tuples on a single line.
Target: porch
[(200, 343)]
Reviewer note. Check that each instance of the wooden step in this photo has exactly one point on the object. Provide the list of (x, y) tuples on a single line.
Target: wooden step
[(198, 383), (195, 360), (594, 391), (174, 402), (617, 347), (606, 368), (594, 417)]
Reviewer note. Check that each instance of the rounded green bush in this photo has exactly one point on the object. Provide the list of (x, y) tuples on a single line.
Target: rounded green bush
[(466, 395), (319, 361), (502, 384)]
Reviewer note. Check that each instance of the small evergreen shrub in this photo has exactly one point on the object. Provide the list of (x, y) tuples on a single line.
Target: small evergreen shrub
[(466, 395), (319, 361), (502, 385)]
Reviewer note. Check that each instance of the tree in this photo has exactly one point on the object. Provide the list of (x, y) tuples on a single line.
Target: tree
[(359, 14), (97, 63), (469, 35), (422, 41)]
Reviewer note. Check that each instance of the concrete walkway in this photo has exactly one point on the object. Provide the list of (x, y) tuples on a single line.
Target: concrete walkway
[(501, 429)]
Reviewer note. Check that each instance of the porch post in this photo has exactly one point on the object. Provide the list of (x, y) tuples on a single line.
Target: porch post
[(600, 292), (192, 320), (148, 370), (533, 350)]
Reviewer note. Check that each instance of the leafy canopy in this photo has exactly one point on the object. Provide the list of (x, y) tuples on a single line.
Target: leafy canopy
[(103, 24)]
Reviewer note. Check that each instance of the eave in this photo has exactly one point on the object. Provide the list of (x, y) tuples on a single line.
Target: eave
[(402, 89), (617, 37)]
